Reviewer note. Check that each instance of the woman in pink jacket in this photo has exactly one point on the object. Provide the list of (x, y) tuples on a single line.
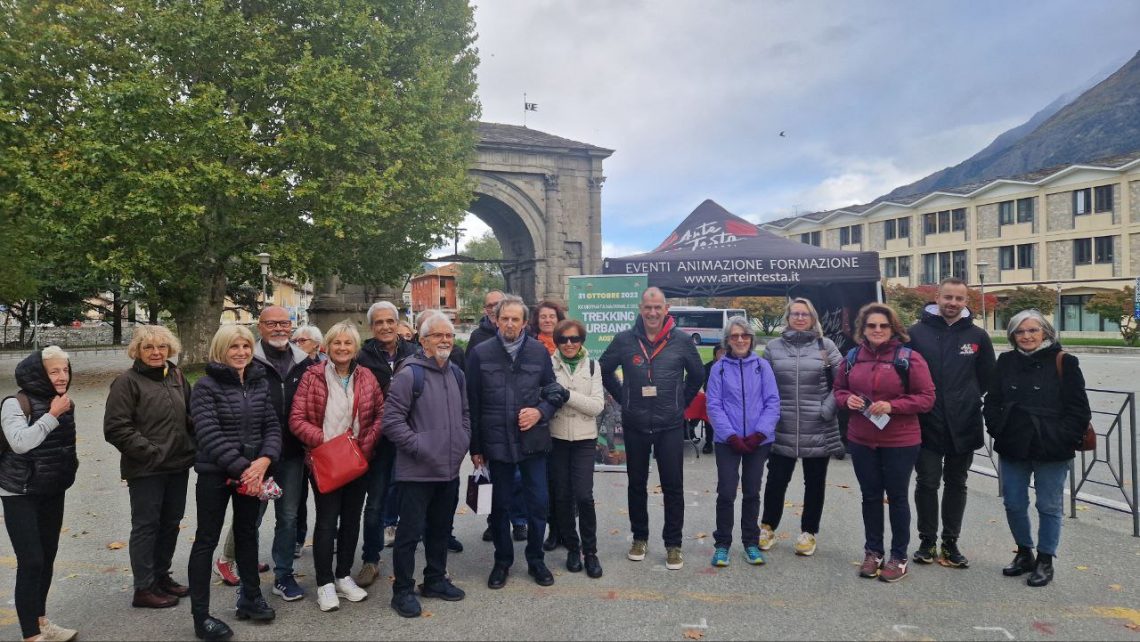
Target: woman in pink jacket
[(886, 386)]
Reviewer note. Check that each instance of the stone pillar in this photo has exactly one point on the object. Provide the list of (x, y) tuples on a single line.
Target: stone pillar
[(594, 255), (553, 286)]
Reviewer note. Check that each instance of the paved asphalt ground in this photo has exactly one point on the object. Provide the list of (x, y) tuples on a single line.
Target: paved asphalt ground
[(1095, 595)]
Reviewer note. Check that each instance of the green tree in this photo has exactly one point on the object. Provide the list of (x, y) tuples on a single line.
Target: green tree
[(169, 141), (1041, 298), (765, 311), (1117, 305), (476, 279)]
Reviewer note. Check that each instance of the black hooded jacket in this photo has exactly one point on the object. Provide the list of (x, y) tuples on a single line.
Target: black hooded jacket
[(50, 467)]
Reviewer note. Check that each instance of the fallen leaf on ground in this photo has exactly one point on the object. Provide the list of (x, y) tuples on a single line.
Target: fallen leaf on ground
[(462, 510), (692, 634), (1134, 627), (1082, 507), (70, 575), (1082, 568), (783, 536), (614, 531), (622, 511), (425, 614), (114, 546), (1115, 587), (64, 529), (700, 535)]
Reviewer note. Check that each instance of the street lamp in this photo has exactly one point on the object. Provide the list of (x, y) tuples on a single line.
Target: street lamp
[(263, 258), (982, 265)]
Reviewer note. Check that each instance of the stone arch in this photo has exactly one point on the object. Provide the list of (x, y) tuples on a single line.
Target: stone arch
[(517, 222)]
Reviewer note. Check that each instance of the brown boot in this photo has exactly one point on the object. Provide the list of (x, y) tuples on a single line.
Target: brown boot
[(153, 599), (167, 585)]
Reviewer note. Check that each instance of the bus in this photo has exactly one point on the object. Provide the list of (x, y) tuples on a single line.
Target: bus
[(703, 325)]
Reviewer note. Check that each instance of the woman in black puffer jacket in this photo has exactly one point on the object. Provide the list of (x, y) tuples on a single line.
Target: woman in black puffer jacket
[(37, 467), (1037, 410), (238, 438)]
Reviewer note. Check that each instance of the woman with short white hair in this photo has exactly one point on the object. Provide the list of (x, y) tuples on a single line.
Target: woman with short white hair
[(334, 397), (309, 339), (36, 470)]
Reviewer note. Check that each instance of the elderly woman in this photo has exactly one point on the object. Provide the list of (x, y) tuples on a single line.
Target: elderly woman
[(238, 438), (743, 407), (335, 397), (309, 339), (547, 315), (886, 386), (805, 363), (405, 330), (574, 431), (147, 419), (36, 469), (1037, 410)]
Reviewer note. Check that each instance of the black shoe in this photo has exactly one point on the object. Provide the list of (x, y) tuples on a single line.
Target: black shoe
[(552, 541), (574, 562), (927, 551), (167, 585), (498, 578), (593, 566), (1043, 572), (487, 536), (952, 557), (519, 531), (253, 609), (708, 448), (443, 590), (212, 628), (1023, 562), (542, 575), (406, 604), (454, 545)]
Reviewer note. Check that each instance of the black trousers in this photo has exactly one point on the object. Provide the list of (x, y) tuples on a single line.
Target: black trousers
[(338, 519), (952, 471), (667, 447), (747, 470), (572, 475), (535, 484), (780, 469), (158, 503), (33, 523), (212, 496), (884, 470), (426, 508)]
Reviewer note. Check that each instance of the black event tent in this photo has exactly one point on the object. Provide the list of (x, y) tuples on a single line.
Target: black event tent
[(716, 253)]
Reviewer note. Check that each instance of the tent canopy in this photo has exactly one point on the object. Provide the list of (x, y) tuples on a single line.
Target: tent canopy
[(716, 253)]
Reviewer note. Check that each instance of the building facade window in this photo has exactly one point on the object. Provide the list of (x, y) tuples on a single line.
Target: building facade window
[(904, 266), (1082, 202), (1025, 210), (1005, 257), (944, 221), (897, 228), (810, 238), (958, 220), (1074, 317), (890, 268), (1082, 251), (1102, 249), (890, 229), (904, 228), (959, 260), (1005, 213), (1025, 256), (930, 224), (851, 235), (1102, 198), (929, 268)]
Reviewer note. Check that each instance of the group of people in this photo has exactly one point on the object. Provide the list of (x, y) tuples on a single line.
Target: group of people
[(522, 400)]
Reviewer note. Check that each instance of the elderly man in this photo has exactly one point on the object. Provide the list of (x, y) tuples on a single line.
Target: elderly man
[(284, 365), (513, 393), (431, 437), (662, 373)]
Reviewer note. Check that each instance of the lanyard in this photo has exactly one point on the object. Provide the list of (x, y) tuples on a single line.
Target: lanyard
[(649, 357)]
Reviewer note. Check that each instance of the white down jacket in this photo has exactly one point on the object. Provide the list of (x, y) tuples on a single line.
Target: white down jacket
[(577, 418)]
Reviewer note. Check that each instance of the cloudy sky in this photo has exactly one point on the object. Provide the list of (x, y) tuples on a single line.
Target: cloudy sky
[(870, 94)]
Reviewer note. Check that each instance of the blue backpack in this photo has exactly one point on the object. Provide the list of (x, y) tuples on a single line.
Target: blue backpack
[(418, 381), (901, 363)]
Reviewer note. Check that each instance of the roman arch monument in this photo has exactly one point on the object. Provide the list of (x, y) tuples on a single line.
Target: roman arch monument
[(541, 196)]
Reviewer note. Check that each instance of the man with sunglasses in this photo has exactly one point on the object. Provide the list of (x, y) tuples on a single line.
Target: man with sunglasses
[(961, 358), (661, 375)]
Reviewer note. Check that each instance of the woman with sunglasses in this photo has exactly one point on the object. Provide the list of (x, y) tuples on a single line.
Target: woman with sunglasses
[(886, 386), (1037, 410), (574, 431)]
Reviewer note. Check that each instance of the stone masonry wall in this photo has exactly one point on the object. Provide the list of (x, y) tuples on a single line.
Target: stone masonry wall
[(1060, 260), (1134, 188), (877, 236), (1135, 254), (988, 227), (1059, 211)]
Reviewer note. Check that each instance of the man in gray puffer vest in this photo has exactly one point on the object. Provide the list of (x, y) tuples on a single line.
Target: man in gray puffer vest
[(961, 358)]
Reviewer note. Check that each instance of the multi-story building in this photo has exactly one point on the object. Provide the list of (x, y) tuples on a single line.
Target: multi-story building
[(435, 290), (1075, 229)]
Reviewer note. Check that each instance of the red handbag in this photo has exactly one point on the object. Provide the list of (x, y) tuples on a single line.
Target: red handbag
[(337, 462)]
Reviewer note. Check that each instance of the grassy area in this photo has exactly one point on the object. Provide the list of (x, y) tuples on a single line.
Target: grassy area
[(1088, 341)]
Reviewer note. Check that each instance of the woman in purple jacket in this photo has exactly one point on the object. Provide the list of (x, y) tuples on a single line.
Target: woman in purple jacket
[(743, 407)]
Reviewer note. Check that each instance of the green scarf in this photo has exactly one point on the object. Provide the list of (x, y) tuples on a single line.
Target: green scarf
[(571, 361)]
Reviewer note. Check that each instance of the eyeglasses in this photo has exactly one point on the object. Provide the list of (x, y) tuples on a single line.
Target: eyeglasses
[(1027, 332), (156, 348), (739, 337), (799, 315), (302, 340), (440, 336), (877, 326), (564, 340), (276, 324)]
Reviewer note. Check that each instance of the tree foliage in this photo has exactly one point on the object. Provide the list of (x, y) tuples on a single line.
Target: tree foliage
[(476, 279), (168, 142), (765, 311), (1039, 297), (910, 302), (1117, 305)]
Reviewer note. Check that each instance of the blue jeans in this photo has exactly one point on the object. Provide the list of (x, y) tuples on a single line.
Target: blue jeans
[(290, 476), (1049, 480), (378, 478), (886, 470), (534, 490)]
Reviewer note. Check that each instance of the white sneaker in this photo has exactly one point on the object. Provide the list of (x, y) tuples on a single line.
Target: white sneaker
[(389, 535), (51, 632), (346, 587), (326, 597), (805, 544), (767, 537)]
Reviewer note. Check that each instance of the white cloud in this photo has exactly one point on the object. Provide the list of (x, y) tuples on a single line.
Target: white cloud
[(611, 250)]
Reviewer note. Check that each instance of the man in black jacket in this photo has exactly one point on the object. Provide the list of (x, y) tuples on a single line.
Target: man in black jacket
[(662, 373), (511, 390), (961, 358)]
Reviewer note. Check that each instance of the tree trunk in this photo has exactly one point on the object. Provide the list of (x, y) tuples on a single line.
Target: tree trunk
[(198, 321)]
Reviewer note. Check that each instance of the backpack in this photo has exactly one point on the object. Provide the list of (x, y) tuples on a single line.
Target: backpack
[(25, 407), (827, 370), (418, 381), (901, 362)]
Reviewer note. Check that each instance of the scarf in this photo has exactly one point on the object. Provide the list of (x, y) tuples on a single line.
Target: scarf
[(548, 341), (513, 347), (339, 416), (571, 361), (1044, 344)]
